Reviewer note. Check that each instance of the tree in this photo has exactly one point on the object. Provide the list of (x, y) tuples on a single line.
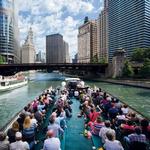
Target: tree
[(140, 54), (103, 60), (145, 70), (2, 59), (94, 59), (127, 69)]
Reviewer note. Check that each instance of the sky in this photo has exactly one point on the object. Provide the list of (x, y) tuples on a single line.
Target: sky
[(55, 16)]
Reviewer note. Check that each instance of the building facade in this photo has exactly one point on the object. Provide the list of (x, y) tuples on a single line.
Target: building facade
[(87, 41), (56, 49), (9, 43), (28, 53), (40, 57), (129, 25), (102, 34), (67, 56)]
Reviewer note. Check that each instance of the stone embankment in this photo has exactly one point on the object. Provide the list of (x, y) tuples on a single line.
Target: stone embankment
[(135, 83)]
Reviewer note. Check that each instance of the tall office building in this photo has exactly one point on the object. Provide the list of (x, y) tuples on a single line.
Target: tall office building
[(102, 34), (9, 44), (66, 56), (40, 57), (129, 25), (28, 51), (87, 41), (56, 49)]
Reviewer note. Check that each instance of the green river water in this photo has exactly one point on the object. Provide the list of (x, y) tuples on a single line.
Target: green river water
[(13, 101)]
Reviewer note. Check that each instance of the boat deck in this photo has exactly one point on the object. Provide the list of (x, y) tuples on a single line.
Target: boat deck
[(74, 138)]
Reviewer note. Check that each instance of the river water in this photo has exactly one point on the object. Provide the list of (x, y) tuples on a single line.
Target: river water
[(13, 101)]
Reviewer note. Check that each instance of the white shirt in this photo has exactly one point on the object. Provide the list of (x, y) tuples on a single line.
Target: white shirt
[(19, 145), (76, 93), (125, 110), (52, 144), (113, 145), (103, 131)]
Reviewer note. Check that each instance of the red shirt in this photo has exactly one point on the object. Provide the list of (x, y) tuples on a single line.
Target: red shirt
[(93, 116)]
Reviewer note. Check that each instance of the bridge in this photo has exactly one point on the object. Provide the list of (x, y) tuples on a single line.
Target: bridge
[(11, 69)]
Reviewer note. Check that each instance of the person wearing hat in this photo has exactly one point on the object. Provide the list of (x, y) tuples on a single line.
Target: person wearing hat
[(19, 144), (52, 143), (4, 143)]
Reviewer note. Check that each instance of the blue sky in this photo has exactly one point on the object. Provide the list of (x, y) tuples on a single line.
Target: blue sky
[(55, 16)]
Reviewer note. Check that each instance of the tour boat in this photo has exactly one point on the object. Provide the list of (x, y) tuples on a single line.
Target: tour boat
[(12, 83), (75, 126)]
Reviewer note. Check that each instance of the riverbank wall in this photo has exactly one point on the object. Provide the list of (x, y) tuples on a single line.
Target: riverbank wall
[(129, 82)]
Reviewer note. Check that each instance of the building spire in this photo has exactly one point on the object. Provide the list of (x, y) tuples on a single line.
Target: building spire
[(29, 39)]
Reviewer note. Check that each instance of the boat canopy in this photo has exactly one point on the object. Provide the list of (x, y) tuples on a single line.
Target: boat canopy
[(72, 79)]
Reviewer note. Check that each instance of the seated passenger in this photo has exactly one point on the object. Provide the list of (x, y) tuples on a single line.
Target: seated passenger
[(4, 143), (127, 128), (133, 118), (104, 130), (12, 131), (145, 128), (29, 131), (96, 126), (120, 118), (111, 143), (52, 142), (94, 114), (136, 140), (19, 144), (55, 127), (125, 109), (113, 111)]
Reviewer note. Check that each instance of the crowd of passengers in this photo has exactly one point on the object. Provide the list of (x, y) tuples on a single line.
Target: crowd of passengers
[(95, 107), (120, 121), (21, 136)]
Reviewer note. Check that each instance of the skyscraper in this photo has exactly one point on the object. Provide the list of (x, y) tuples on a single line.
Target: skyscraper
[(129, 25), (56, 49), (87, 41), (102, 34), (9, 46), (28, 51)]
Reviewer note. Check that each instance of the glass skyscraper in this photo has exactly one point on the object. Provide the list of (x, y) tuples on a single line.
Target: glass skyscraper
[(128, 25), (8, 31)]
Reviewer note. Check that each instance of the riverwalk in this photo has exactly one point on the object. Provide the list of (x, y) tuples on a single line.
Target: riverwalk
[(135, 83)]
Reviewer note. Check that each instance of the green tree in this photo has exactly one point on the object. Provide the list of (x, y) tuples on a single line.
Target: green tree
[(103, 60), (94, 59), (140, 54), (145, 70), (127, 69), (2, 59)]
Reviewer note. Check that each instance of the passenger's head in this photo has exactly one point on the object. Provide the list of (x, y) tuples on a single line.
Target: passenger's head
[(25, 108), (107, 123), (125, 105), (2, 136), (22, 116), (144, 123), (133, 114), (138, 130), (27, 122), (50, 133), (110, 135), (15, 126), (129, 122), (52, 119), (99, 119), (18, 136)]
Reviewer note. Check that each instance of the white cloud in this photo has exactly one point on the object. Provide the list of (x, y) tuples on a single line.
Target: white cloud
[(52, 16)]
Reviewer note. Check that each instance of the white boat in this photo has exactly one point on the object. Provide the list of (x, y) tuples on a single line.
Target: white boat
[(10, 84)]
